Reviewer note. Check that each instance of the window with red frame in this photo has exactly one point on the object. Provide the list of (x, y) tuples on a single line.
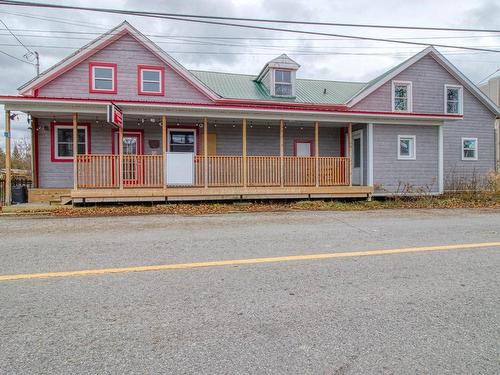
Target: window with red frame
[(102, 78), (151, 80), (62, 141)]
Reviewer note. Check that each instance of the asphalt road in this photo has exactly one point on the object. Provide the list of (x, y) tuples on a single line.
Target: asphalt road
[(417, 313)]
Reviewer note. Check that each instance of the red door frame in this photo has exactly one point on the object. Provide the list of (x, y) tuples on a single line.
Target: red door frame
[(139, 134)]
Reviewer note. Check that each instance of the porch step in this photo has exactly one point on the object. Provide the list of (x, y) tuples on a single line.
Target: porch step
[(48, 195), (62, 201)]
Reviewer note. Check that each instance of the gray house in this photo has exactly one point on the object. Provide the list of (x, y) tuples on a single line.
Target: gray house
[(121, 120)]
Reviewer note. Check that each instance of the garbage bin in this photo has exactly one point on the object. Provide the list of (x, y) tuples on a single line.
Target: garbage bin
[(19, 194)]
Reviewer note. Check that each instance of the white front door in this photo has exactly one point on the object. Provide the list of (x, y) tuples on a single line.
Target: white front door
[(357, 158), (303, 149)]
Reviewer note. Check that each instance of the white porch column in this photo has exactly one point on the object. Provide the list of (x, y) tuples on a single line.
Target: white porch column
[(8, 177), (244, 153), (75, 151), (440, 160), (282, 153), (349, 132), (369, 157)]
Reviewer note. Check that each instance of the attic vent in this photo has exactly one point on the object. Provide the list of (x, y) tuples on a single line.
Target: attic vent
[(324, 91)]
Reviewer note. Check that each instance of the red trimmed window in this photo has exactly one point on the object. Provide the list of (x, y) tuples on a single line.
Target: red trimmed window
[(102, 78), (151, 80), (61, 141)]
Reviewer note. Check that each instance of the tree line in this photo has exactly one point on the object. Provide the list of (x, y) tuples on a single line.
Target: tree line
[(20, 156)]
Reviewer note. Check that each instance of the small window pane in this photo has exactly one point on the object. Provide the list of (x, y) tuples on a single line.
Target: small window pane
[(283, 76), (65, 135), (103, 72), (182, 141), (404, 147), (81, 136), (80, 148), (65, 149), (148, 75), (452, 107), (102, 84), (452, 94), (283, 89), (357, 153), (151, 86), (400, 91), (400, 104)]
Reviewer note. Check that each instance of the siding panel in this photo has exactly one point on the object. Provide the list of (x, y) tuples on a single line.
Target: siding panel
[(127, 53), (389, 173)]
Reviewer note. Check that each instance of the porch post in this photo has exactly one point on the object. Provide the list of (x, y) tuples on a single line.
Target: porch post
[(244, 152), (349, 130), (282, 151), (369, 146), (8, 178), (205, 150), (316, 150), (120, 155), (164, 147), (34, 152), (75, 151), (440, 160)]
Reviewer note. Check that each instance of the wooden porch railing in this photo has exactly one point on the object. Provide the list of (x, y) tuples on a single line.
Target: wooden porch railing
[(97, 171), (222, 171), (143, 170), (264, 171), (102, 171)]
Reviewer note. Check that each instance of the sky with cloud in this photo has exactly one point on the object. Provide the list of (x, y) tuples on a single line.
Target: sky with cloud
[(239, 50)]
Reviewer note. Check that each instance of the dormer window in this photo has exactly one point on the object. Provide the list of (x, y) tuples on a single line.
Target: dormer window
[(283, 83), (102, 78)]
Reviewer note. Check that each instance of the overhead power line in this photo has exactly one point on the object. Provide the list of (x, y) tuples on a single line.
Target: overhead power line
[(262, 20), (15, 36), (162, 16), (491, 75), (15, 58)]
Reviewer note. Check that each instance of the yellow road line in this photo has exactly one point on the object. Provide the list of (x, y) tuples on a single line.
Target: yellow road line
[(217, 263)]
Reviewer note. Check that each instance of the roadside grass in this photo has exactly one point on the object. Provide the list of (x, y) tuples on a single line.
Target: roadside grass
[(461, 200)]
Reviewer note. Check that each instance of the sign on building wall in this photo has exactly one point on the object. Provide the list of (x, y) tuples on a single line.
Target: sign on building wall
[(115, 115)]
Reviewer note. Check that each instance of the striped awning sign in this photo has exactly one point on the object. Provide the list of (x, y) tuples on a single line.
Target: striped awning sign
[(115, 115)]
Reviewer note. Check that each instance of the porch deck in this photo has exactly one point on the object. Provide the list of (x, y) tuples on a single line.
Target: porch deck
[(214, 178), (217, 193)]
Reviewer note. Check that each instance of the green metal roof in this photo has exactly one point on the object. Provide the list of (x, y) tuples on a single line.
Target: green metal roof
[(243, 86)]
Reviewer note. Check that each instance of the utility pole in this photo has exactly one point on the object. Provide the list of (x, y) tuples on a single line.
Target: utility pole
[(37, 63)]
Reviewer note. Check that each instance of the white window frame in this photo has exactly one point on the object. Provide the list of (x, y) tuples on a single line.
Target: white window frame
[(413, 147), (195, 144), (112, 79), (56, 141), (460, 99), (291, 83), (409, 85), (464, 158), (160, 82)]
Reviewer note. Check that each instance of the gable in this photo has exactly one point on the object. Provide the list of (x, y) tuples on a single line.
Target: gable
[(428, 78), (127, 53)]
